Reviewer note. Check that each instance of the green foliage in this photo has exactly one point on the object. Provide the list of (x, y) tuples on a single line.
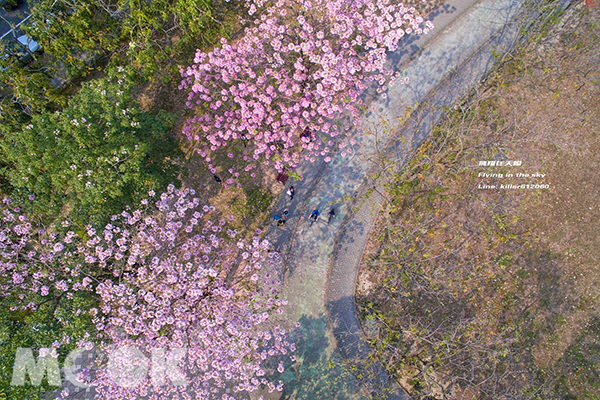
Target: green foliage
[(145, 33), (81, 36), (96, 156), (72, 32), (31, 89), (55, 319), (158, 30)]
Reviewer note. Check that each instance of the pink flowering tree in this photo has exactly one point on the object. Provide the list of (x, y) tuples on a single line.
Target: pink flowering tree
[(299, 65), (158, 278), (42, 299)]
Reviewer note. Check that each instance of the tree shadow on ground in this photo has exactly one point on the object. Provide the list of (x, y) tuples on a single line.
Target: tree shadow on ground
[(358, 355), (317, 373), (407, 48)]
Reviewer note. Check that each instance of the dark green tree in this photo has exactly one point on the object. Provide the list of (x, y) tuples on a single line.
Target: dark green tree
[(145, 34), (94, 157)]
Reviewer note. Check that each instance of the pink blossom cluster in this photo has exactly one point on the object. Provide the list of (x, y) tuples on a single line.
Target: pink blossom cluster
[(171, 275), (34, 262), (299, 65)]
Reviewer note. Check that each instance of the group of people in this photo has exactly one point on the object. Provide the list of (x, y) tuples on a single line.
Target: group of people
[(280, 220), (314, 216)]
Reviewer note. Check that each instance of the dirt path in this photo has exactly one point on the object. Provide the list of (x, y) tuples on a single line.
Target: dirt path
[(323, 259)]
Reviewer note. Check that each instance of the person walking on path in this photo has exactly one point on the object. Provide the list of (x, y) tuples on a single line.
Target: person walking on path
[(331, 215), (314, 216), (291, 192)]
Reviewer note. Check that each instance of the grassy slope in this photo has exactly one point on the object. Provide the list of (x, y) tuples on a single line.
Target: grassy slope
[(490, 293)]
